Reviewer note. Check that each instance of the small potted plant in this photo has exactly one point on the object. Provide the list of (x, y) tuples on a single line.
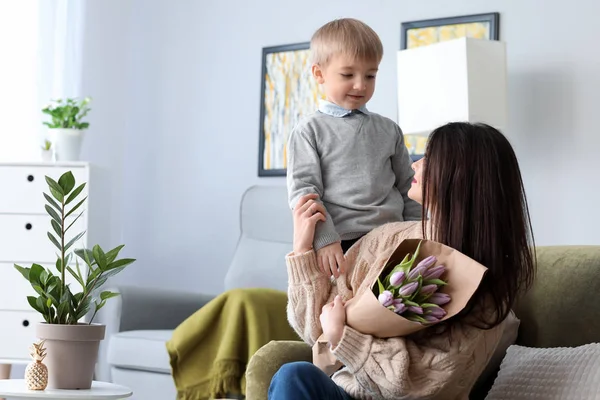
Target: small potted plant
[(47, 151), (67, 126), (72, 345)]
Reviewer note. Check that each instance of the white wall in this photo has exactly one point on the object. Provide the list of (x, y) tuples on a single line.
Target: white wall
[(177, 87)]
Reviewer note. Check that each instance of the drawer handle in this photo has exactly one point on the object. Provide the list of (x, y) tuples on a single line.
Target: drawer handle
[(25, 323), (30, 178), (28, 226)]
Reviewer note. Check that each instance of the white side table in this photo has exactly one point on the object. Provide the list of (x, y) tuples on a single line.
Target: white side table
[(17, 389)]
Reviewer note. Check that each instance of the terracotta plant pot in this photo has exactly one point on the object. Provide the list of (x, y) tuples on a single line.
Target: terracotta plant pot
[(72, 353)]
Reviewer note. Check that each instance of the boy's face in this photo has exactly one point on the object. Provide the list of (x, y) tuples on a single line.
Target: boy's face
[(347, 82)]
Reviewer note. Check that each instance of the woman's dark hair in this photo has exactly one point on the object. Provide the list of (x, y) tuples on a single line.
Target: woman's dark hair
[(473, 191)]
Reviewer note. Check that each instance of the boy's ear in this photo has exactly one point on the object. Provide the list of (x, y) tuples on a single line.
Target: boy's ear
[(318, 73)]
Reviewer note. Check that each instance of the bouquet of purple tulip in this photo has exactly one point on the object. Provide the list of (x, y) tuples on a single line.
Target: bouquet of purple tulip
[(412, 291)]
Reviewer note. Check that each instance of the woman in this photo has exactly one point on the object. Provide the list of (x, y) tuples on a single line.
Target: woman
[(470, 185)]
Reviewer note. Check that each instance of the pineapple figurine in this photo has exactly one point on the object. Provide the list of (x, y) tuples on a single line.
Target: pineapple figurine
[(36, 373)]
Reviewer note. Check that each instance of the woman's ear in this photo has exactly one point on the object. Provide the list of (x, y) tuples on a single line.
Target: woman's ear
[(317, 72)]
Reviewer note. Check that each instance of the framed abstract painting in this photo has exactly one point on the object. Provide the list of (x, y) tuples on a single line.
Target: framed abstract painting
[(425, 32), (288, 92)]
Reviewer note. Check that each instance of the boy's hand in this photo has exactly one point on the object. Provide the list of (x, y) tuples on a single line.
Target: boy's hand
[(331, 259)]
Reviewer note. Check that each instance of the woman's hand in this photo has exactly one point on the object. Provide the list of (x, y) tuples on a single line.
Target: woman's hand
[(333, 320), (306, 215)]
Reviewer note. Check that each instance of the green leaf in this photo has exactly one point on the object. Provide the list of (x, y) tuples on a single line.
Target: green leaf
[(126, 261), (75, 207), (53, 203), (101, 281), (87, 256), (105, 295), (380, 286), (75, 220), (438, 282), (63, 310), (75, 193), (416, 318), (23, 271), (67, 182), (76, 238), (55, 189), (35, 273), (84, 125), (44, 278), (54, 240), (77, 277), (112, 254), (410, 303), (53, 214), (428, 305), (32, 300), (59, 265), (56, 227), (100, 305), (84, 307), (99, 256)]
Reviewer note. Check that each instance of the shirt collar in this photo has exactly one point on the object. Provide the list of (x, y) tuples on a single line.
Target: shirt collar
[(329, 108)]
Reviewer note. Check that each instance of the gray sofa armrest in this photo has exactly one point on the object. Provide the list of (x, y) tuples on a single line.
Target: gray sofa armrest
[(148, 308), (139, 308)]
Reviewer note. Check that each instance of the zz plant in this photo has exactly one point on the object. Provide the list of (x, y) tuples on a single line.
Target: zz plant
[(56, 300)]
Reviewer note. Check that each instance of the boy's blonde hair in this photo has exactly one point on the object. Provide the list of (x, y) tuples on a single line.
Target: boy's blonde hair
[(347, 36)]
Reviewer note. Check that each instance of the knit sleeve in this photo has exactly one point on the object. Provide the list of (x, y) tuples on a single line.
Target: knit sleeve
[(439, 367), (401, 164), (308, 291), (303, 176)]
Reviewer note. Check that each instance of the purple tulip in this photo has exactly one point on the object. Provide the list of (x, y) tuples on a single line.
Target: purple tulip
[(399, 307), (429, 289), (430, 318), (409, 289), (416, 310), (397, 278), (439, 298), (437, 312), (434, 273), (421, 267), (386, 298), (428, 262)]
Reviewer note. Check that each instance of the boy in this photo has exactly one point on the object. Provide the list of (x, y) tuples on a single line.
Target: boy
[(353, 159)]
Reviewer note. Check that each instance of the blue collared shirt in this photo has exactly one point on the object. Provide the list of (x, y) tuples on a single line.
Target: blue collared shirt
[(329, 108)]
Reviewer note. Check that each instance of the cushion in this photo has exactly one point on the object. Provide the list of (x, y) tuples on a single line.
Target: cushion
[(548, 373), (140, 350)]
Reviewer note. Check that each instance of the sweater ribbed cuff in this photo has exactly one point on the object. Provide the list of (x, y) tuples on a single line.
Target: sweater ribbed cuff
[(353, 349), (302, 268), (325, 240)]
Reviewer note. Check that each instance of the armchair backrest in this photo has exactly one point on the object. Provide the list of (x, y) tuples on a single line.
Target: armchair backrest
[(266, 237)]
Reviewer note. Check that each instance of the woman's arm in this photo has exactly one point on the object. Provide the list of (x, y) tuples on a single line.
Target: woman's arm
[(309, 289), (402, 368)]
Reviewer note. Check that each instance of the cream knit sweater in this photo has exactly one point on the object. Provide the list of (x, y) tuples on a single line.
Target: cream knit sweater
[(443, 366)]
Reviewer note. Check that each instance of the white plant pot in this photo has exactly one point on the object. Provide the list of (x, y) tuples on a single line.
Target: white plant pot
[(46, 155), (67, 143)]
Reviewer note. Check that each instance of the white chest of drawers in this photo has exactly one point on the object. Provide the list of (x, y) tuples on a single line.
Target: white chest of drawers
[(24, 224)]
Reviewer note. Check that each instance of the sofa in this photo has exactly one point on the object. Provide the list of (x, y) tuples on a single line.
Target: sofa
[(560, 310), (141, 320)]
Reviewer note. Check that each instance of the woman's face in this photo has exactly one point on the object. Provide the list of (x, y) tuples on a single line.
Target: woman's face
[(416, 190)]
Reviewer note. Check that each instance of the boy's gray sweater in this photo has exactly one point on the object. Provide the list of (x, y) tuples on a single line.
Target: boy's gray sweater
[(360, 168)]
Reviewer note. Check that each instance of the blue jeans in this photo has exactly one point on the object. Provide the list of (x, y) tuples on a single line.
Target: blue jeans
[(304, 381)]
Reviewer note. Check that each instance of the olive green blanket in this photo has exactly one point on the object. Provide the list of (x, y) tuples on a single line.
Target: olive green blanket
[(209, 351)]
